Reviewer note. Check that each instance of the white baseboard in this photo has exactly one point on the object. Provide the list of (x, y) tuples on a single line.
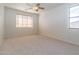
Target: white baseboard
[(1, 41), (61, 39)]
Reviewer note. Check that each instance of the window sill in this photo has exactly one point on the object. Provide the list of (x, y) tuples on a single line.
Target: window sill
[(73, 28)]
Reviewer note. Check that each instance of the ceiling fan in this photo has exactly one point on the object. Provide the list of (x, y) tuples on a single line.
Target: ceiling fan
[(36, 7)]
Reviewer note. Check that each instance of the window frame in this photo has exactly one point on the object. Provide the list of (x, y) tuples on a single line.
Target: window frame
[(72, 17), (22, 21)]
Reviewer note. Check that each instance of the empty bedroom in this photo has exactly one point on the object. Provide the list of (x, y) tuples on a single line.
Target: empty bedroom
[(39, 29)]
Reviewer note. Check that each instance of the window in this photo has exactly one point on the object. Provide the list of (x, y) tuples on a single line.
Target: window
[(74, 17), (24, 21)]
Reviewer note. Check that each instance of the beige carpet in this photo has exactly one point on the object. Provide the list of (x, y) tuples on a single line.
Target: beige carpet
[(37, 45)]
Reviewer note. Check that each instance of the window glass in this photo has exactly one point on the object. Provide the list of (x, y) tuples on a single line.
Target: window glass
[(74, 17), (24, 21)]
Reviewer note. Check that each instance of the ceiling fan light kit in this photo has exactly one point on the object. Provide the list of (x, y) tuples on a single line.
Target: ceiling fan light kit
[(36, 7)]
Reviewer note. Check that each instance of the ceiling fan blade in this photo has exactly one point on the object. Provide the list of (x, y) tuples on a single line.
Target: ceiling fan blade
[(41, 8)]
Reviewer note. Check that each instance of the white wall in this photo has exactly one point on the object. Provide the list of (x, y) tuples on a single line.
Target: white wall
[(10, 24), (54, 23), (1, 24)]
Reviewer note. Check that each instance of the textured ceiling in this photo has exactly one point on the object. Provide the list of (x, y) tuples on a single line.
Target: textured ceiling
[(23, 6)]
